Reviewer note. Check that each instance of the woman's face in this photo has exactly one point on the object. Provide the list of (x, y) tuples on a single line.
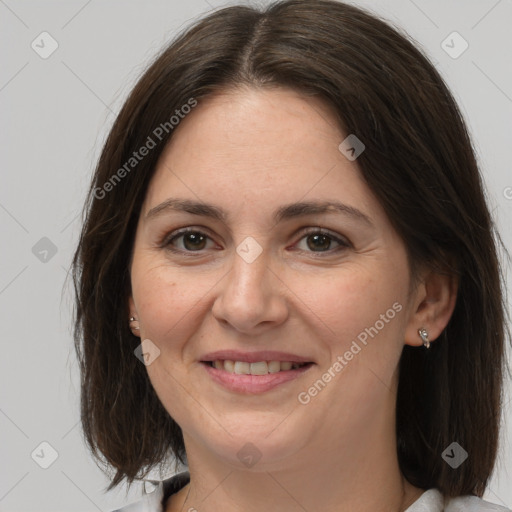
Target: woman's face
[(267, 272)]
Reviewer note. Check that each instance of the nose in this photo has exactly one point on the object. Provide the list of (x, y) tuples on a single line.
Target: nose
[(251, 297)]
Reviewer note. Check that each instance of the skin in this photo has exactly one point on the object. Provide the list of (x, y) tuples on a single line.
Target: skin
[(249, 152)]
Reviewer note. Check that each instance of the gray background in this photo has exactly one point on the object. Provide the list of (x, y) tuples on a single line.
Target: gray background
[(56, 113)]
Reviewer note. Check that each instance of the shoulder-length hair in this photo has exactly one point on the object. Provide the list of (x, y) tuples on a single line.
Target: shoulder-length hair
[(418, 162)]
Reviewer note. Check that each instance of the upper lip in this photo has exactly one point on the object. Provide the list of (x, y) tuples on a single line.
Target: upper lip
[(254, 357)]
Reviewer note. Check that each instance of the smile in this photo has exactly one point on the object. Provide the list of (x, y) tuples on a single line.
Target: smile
[(256, 377), (258, 368)]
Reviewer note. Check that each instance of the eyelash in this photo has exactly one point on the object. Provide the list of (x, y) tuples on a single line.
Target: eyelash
[(343, 243)]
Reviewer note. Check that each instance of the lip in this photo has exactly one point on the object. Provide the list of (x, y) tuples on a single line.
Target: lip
[(254, 384), (254, 357)]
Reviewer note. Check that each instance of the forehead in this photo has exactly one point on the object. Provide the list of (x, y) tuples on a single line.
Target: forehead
[(257, 146), (259, 122)]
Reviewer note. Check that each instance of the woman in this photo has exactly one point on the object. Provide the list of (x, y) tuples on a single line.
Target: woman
[(288, 277)]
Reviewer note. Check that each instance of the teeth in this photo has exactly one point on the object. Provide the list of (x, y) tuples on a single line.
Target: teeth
[(229, 366), (259, 368), (242, 368), (274, 366)]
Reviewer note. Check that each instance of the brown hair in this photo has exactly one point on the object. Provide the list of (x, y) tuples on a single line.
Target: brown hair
[(419, 163)]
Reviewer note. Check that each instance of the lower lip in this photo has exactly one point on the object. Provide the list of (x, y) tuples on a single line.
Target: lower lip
[(253, 383)]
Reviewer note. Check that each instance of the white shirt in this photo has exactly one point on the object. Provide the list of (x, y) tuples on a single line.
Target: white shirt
[(430, 501)]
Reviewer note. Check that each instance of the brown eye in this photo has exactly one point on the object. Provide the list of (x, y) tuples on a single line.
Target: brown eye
[(194, 241), (187, 241), (318, 241)]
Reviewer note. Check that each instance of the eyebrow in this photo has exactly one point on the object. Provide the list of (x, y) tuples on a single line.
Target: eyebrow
[(285, 212)]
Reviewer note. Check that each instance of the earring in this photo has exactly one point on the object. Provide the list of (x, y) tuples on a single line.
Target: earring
[(424, 337), (133, 319)]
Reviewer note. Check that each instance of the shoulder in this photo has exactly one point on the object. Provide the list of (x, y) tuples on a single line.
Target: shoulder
[(430, 501), (155, 494), (433, 501), (473, 504)]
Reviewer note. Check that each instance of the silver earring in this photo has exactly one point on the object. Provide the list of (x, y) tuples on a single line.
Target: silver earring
[(424, 337), (133, 319)]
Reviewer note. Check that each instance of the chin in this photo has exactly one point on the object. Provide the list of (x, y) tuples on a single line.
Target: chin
[(253, 447)]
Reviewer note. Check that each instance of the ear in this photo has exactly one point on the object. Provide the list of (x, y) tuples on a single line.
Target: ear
[(134, 324), (433, 304)]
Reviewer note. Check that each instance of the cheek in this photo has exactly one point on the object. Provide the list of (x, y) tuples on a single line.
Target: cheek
[(363, 312), (169, 304), (350, 299), (166, 299), (365, 306)]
